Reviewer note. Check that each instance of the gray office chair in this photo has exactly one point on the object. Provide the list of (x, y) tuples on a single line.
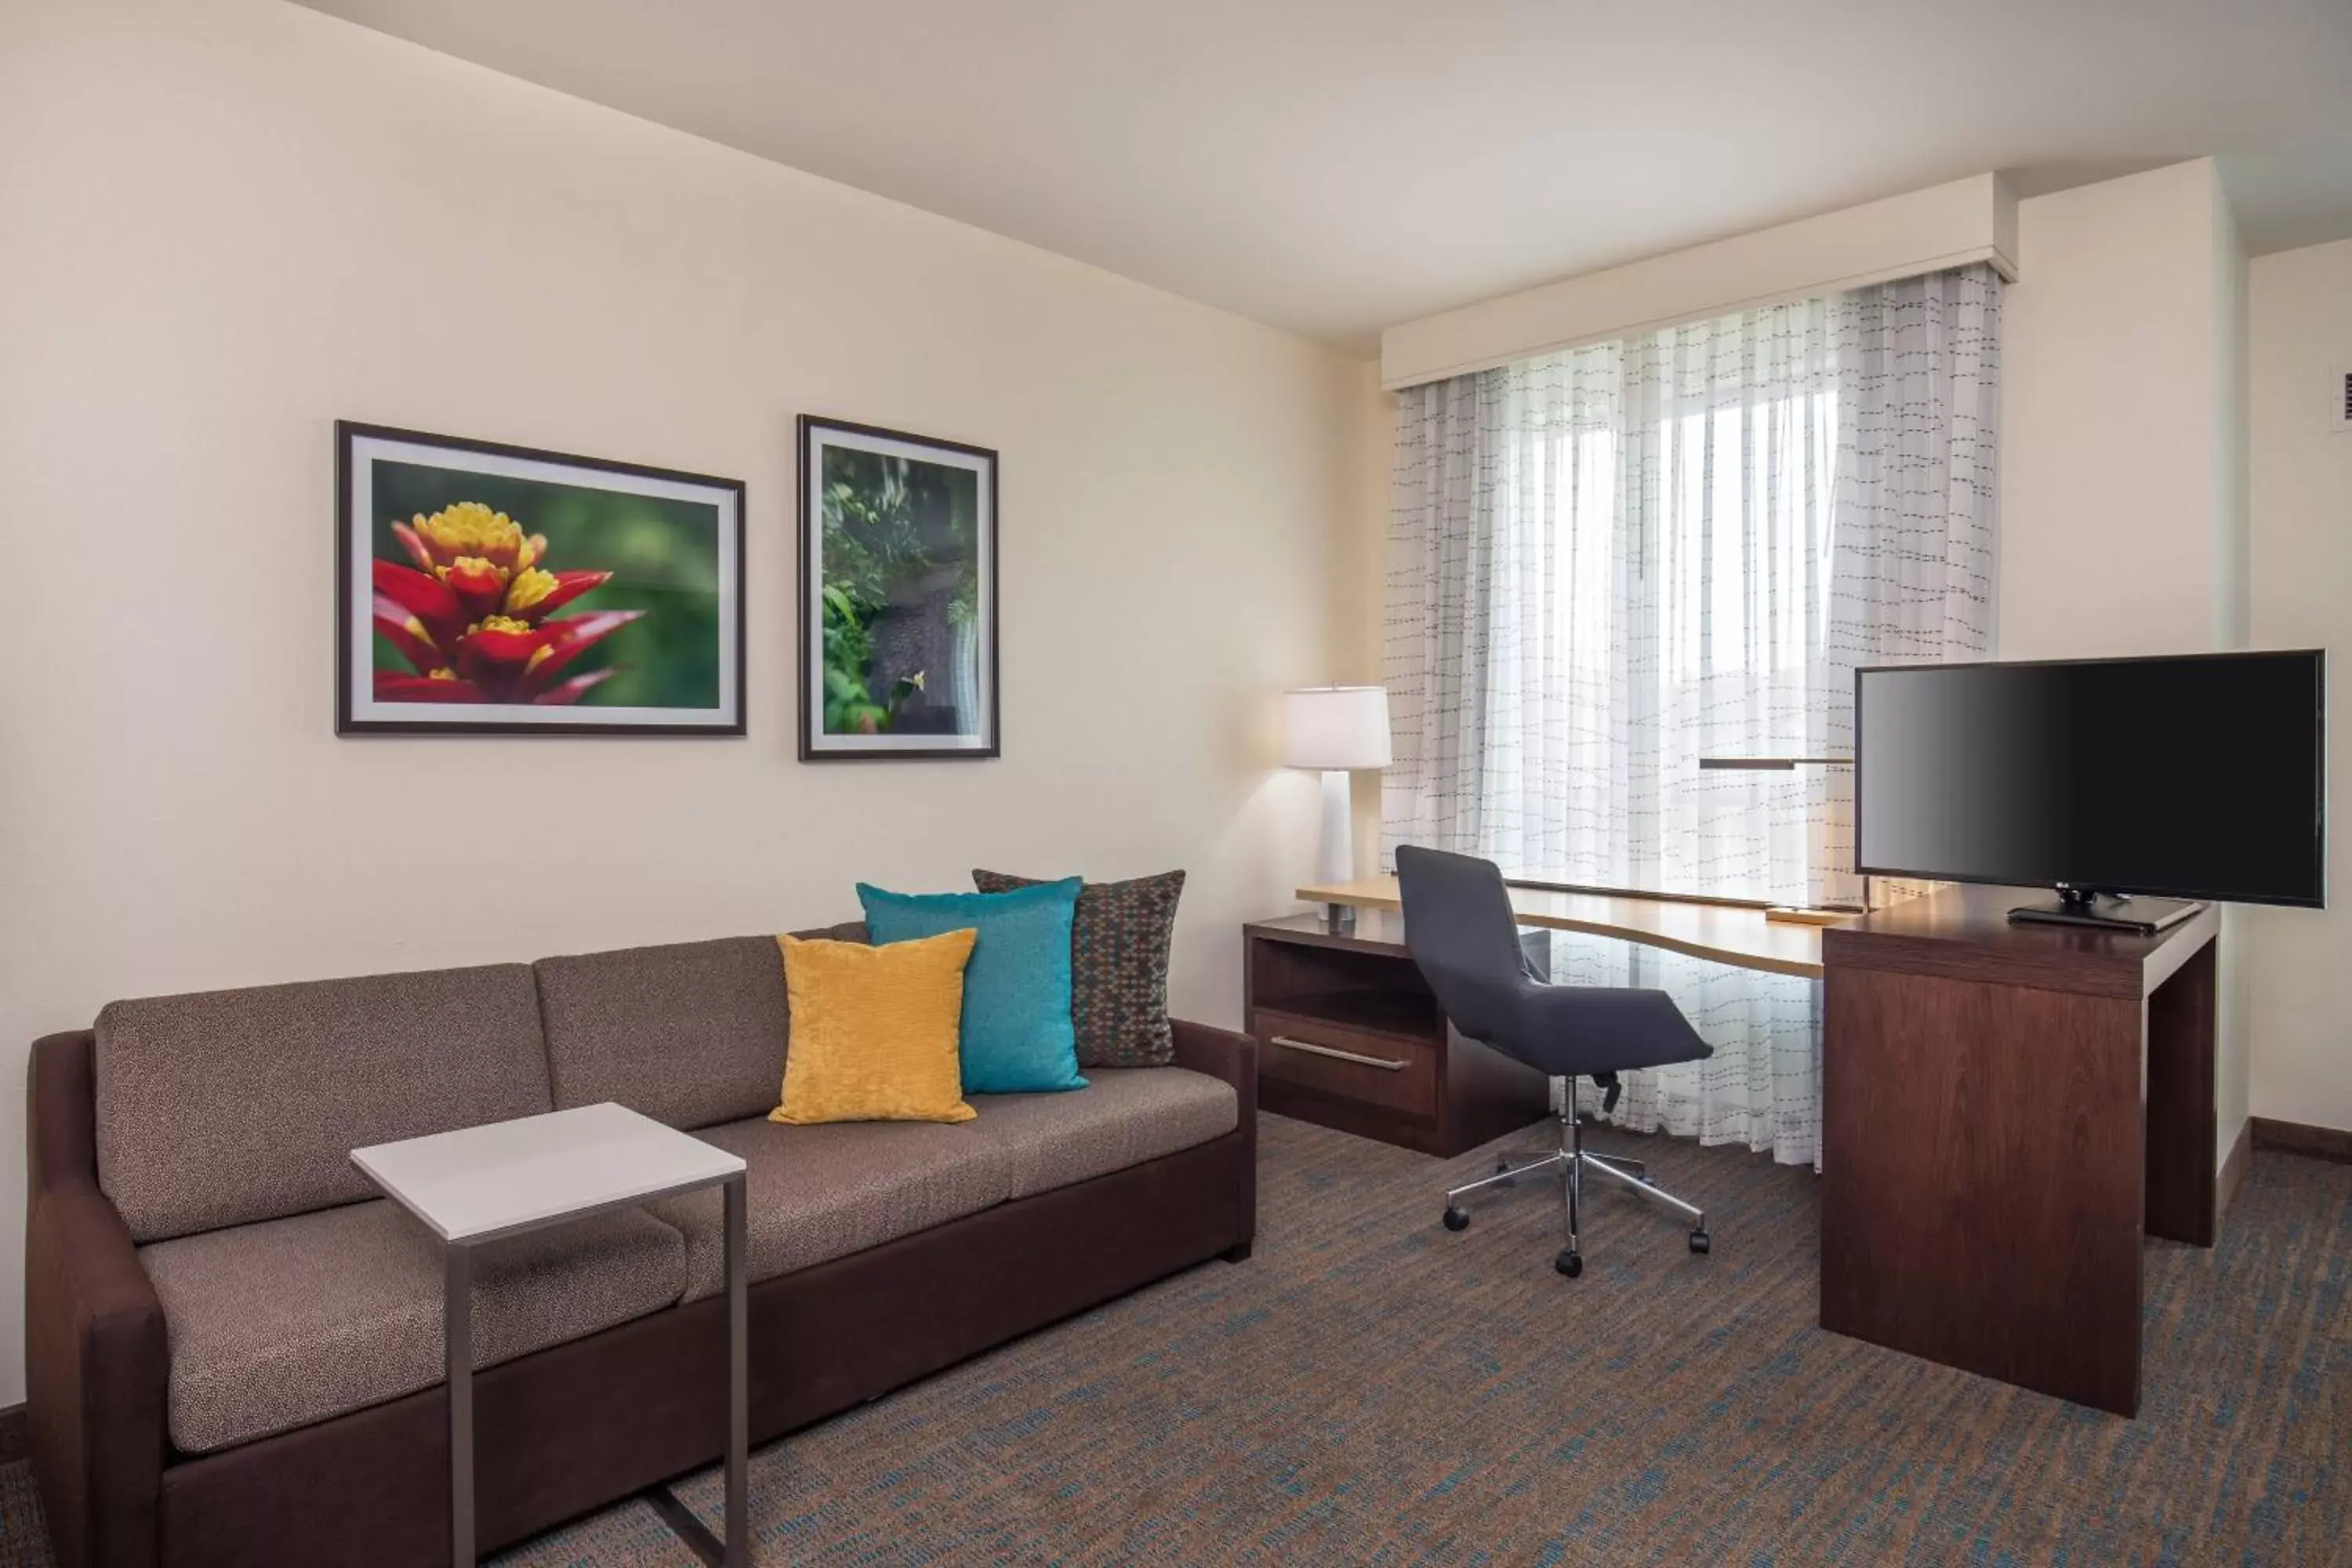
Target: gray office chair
[(1458, 927)]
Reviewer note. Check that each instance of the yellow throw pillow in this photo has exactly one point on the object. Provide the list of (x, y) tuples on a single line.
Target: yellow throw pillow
[(874, 1030)]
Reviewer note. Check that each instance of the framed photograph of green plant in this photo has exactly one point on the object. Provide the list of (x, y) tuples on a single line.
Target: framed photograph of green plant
[(487, 589), (898, 595)]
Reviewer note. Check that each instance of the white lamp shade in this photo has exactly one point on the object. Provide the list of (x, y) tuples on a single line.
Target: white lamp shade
[(1335, 727)]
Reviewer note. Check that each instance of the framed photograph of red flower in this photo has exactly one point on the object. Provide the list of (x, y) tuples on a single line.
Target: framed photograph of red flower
[(488, 589)]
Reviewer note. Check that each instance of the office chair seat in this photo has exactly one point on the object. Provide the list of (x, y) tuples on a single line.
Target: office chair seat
[(1565, 1030), (1458, 926)]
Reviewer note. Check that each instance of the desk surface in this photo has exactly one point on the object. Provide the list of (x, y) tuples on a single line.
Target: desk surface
[(1727, 934), (1965, 933)]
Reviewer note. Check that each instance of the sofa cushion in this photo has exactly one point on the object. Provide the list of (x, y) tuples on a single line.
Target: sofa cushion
[(691, 1034), (820, 1193), (688, 1034), (224, 1107), (1126, 1116), (278, 1324), (824, 1192)]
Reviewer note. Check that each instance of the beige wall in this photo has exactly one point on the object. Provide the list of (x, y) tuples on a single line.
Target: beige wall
[(2123, 419), (2235, 1037), (2301, 342), (2113, 356), (230, 222)]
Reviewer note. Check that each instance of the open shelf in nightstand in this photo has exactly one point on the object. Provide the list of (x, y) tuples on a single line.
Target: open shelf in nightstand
[(1350, 1036)]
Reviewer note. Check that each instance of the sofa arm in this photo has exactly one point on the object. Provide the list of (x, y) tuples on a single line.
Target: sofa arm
[(97, 1361), (1223, 1054), (1220, 1054)]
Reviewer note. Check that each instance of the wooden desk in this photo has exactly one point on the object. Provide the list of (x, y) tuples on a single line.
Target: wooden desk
[(1726, 932), (2005, 1109)]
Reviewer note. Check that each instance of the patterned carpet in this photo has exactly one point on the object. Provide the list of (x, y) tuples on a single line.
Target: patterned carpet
[(1371, 1389)]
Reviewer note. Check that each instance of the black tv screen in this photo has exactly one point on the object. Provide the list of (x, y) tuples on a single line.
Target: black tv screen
[(2195, 777)]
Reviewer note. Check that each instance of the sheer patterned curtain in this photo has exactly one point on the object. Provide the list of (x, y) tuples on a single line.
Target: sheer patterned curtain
[(1608, 563)]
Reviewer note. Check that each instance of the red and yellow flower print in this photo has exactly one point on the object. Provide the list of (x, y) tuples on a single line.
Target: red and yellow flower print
[(475, 616)]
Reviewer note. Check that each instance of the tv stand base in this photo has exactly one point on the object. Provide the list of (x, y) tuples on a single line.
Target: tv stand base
[(2106, 912)]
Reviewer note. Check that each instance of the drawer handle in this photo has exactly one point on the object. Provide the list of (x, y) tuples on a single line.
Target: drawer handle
[(1335, 1054)]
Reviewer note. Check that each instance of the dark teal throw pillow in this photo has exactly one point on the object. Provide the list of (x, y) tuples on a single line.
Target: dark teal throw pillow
[(1017, 1037)]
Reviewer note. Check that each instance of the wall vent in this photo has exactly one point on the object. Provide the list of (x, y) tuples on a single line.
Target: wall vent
[(2340, 417)]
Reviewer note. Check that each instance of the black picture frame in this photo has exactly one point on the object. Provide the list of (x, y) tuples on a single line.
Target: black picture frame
[(358, 446), (819, 744)]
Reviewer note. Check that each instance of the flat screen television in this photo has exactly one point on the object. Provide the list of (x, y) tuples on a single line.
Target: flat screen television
[(2113, 780)]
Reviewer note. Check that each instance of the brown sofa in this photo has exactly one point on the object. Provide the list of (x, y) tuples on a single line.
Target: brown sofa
[(233, 1345)]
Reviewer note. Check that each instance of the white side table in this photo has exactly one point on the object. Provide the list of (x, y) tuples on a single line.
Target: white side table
[(480, 1183)]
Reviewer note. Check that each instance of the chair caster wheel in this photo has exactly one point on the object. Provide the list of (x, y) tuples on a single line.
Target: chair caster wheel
[(1502, 1169), (1570, 1262), (1700, 1242), (1457, 1219)]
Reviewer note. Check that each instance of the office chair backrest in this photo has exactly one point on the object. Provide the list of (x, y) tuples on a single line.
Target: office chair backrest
[(1458, 926)]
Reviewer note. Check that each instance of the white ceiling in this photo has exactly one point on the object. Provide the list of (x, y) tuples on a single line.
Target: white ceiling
[(1334, 166)]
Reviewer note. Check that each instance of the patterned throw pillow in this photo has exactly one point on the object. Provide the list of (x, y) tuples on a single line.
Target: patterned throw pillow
[(1119, 967)]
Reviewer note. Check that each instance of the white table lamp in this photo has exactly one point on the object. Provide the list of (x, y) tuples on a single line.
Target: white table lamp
[(1336, 728)]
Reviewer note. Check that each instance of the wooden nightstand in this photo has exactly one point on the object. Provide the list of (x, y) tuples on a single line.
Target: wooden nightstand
[(1349, 1037)]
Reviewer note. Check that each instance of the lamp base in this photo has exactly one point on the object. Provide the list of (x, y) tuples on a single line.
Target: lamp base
[(1336, 861)]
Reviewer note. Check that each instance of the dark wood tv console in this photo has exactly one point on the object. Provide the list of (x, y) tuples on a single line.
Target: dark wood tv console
[(2005, 1110), (1349, 1037)]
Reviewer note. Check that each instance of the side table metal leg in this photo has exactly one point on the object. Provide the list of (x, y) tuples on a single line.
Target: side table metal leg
[(738, 1383), (458, 1345)]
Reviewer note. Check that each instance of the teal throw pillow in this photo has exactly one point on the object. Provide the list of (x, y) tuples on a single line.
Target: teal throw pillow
[(1017, 1035)]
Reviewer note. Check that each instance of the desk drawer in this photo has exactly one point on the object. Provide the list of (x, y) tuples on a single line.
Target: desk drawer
[(1385, 1070)]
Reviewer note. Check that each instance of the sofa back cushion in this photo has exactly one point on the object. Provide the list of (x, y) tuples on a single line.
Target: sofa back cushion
[(691, 1035), (226, 1107)]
